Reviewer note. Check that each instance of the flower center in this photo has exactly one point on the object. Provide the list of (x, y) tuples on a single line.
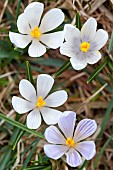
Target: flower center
[(36, 32), (40, 102), (70, 142), (84, 46)]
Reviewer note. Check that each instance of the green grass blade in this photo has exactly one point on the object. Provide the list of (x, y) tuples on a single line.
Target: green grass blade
[(111, 43), (64, 67), (20, 126), (30, 155), (17, 139), (97, 71), (106, 117), (29, 72), (101, 152), (83, 165), (5, 159), (110, 64), (18, 9), (7, 155), (78, 21)]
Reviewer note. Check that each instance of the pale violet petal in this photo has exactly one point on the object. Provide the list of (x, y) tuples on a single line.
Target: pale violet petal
[(51, 20), (55, 151), (73, 158), (56, 99), (21, 105), (88, 30), (79, 61), (50, 116), (85, 128), (53, 135), (86, 149), (93, 57), (27, 90), (23, 25), (100, 40), (36, 49), (67, 122), (53, 40), (71, 33), (69, 49), (44, 84), (33, 13), (34, 119), (19, 40)]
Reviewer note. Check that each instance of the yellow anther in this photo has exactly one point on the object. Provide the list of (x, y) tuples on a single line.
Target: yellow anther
[(70, 142), (84, 46), (36, 32), (40, 102)]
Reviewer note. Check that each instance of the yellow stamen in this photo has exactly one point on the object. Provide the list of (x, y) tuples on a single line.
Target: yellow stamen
[(35, 32), (84, 46), (40, 102), (70, 142)]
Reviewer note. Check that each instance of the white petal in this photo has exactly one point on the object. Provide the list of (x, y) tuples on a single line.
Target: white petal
[(36, 49), (71, 33), (69, 49), (56, 99), (67, 122), (86, 149), (34, 119), (50, 116), (78, 62), (19, 40), (88, 30), (100, 39), (23, 25), (27, 90), (55, 151), (53, 40), (21, 105), (73, 158), (85, 128), (93, 57), (53, 135), (51, 20), (33, 13), (44, 84)]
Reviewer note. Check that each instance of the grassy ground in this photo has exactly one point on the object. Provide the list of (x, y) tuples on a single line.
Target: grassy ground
[(93, 100)]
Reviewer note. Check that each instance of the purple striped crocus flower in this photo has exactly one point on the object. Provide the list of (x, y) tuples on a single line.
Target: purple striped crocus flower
[(70, 142)]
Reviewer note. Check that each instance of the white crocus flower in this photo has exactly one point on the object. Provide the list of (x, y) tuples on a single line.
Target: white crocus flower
[(71, 141), (39, 103), (34, 30), (82, 46)]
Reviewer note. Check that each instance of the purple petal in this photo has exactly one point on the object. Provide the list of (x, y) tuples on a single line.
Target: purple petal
[(55, 151), (67, 123), (87, 149), (53, 135), (73, 158), (85, 128)]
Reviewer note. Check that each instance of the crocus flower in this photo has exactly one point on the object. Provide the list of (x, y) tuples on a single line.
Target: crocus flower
[(39, 103), (70, 142), (82, 46), (34, 30)]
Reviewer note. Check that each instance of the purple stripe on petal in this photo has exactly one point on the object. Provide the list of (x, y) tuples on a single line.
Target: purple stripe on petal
[(53, 135), (86, 149), (85, 128), (73, 158), (67, 123), (55, 151)]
